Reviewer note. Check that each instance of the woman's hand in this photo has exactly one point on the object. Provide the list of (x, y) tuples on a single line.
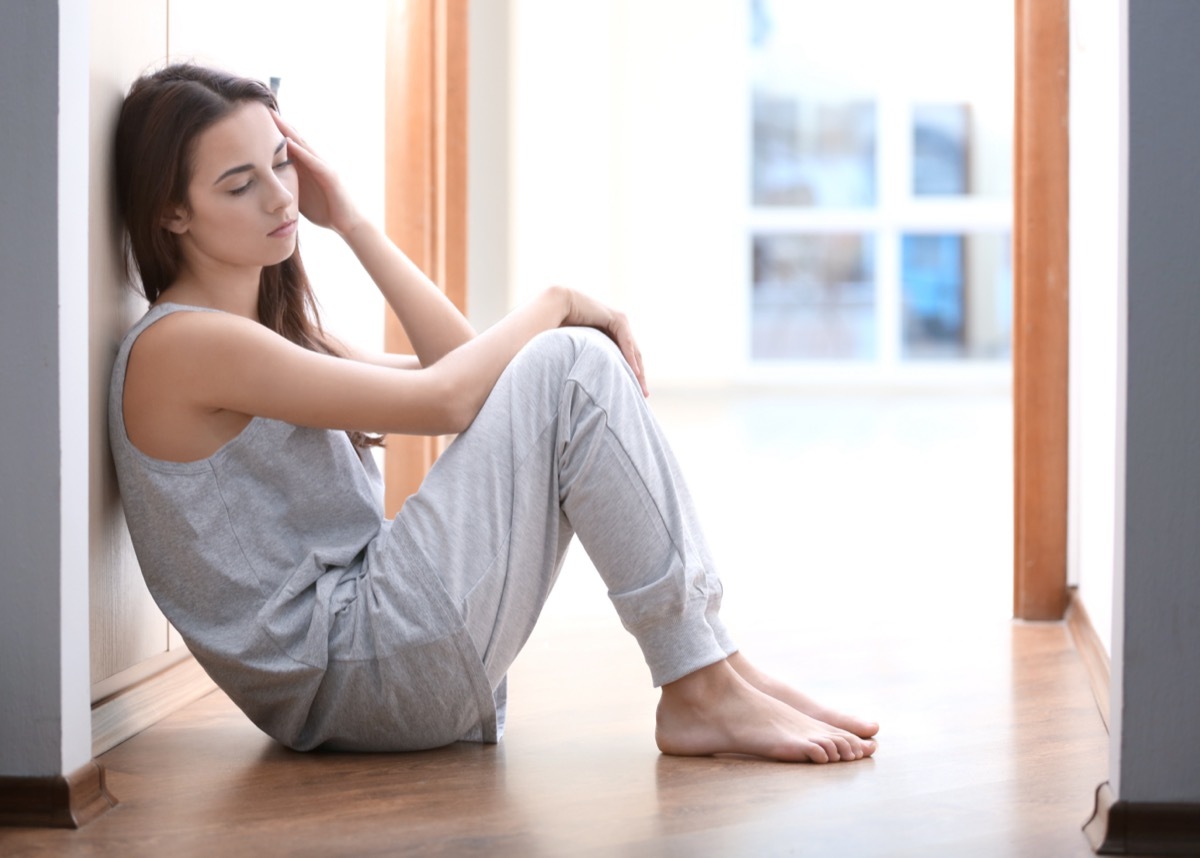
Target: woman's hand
[(587, 312), (323, 199)]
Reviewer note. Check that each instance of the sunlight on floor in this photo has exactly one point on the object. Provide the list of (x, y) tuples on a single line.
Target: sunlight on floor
[(835, 510)]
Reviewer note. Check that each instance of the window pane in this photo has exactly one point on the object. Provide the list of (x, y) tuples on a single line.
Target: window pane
[(813, 153), (941, 151), (814, 297), (957, 296)]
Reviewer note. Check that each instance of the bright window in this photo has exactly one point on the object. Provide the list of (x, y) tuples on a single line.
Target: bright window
[(881, 180)]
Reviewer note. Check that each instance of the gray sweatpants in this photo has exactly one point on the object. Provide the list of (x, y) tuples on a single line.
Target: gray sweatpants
[(566, 445)]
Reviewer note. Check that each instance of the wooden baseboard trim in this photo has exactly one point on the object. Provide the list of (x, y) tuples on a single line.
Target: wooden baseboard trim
[(58, 801), (131, 676), (1142, 828), (130, 711), (1091, 650)]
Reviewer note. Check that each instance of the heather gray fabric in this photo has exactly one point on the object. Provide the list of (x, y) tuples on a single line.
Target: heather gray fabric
[(332, 627)]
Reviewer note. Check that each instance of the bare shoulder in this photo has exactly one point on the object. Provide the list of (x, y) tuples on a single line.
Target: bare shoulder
[(181, 333), (214, 361), (199, 355), (174, 366), (163, 417)]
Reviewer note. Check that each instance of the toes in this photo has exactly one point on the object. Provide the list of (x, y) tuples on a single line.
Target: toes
[(818, 753), (831, 747), (846, 750), (862, 729)]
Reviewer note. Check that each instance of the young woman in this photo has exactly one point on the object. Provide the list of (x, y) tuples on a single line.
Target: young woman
[(240, 431)]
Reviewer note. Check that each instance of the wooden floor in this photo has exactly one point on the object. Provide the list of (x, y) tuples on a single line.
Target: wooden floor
[(991, 743), (991, 747)]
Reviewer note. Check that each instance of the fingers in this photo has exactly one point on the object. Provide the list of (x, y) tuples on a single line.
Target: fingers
[(323, 199), (587, 311), (287, 130), (299, 152), (622, 333), (633, 356), (297, 146)]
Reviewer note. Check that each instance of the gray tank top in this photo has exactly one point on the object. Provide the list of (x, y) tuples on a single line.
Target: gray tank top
[(258, 555)]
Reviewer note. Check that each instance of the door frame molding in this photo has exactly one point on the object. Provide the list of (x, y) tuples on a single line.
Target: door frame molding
[(425, 174), (1041, 154)]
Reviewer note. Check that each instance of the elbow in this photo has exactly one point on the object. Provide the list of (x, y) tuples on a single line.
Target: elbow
[(453, 407)]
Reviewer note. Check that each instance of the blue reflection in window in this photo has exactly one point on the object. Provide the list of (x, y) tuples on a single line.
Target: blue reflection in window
[(933, 290)]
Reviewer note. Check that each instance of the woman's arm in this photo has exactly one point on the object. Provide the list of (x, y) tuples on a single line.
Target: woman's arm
[(200, 363), (389, 359), (433, 324)]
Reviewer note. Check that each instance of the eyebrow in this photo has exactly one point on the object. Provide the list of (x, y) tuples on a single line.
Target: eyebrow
[(247, 167)]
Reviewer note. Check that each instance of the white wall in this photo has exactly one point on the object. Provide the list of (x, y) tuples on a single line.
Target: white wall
[(1095, 268), (330, 59), (73, 36), (629, 130), (127, 629), (489, 150), (45, 721), (560, 204), (680, 138), (1156, 673)]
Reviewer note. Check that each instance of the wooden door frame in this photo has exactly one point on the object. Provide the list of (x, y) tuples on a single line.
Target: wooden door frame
[(1041, 306), (425, 210)]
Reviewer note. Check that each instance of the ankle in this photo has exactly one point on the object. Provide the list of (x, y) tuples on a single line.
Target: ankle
[(749, 672), (702, 686)]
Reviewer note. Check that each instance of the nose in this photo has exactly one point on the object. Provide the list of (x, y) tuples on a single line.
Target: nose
[(281, 193)]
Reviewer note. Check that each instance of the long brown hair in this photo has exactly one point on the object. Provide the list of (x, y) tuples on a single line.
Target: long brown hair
[(163, 116)]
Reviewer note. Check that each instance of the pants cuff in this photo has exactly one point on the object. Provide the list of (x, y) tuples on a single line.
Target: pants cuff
[(676, 646)]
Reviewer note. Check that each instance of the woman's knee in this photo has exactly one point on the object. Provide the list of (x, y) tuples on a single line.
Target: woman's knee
[(553, 350), (544, 362), (598, 352), (559, 352), (560, 346), (556, 342)]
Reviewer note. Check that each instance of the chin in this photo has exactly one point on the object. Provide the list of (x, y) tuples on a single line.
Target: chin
[(284, 257)]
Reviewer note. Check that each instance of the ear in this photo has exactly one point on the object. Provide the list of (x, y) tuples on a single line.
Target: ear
[(176, 220)]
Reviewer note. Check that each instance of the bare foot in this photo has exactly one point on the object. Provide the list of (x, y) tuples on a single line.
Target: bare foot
[(797, 700), (716, 711)]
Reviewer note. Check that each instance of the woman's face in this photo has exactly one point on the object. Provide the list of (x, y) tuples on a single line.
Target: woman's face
[(242, 197)]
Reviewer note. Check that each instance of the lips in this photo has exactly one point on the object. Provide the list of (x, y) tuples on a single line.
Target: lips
[(284, 230)]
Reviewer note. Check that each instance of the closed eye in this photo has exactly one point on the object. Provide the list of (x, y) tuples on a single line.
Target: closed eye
[(237, 192)]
